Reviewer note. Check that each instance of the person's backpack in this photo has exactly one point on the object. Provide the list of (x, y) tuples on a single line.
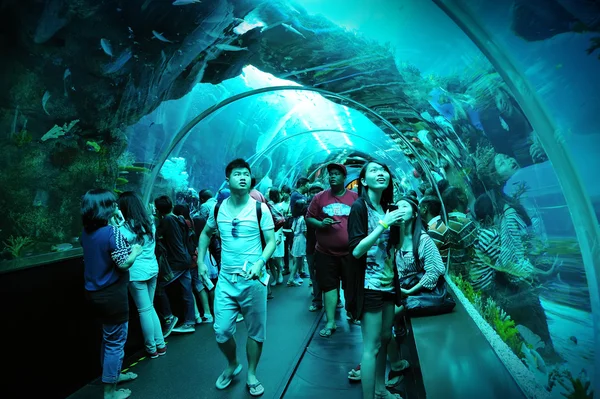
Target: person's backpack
[(258, 217), (165, 273), (278, 218), (190, 240)]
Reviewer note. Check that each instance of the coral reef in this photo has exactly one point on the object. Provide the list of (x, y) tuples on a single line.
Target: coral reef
[(14, 245)]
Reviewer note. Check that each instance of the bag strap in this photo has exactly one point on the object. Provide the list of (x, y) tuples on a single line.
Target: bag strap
[(258, 218)]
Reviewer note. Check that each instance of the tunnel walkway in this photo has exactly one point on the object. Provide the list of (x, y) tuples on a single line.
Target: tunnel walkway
[(297, 363), (193, 361)]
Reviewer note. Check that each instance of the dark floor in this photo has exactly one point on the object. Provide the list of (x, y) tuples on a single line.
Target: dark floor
[(193, 362), (323, 370)]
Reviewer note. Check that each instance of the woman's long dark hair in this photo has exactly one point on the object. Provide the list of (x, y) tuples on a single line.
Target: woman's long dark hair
[(136, 216), (417, 228), (97, 208), (387, 197), (501, 199)]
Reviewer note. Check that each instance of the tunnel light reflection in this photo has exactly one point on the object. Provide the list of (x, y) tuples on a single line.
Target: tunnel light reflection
[(321, 143)]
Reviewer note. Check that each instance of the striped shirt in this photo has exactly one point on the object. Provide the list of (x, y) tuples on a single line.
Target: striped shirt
[(513, 259), (430, 262), (487, 253)]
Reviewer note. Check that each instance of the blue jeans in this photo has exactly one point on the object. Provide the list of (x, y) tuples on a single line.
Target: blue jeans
[(164, 306), (143, 296), (112, 351)]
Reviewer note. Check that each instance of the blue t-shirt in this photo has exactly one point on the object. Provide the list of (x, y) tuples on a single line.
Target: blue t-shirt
[(103, 251)]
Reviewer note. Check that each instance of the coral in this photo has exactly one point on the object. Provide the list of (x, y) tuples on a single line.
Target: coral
[(22, 138), (577, 387), (493, 314), (58, 131), (15, 245)]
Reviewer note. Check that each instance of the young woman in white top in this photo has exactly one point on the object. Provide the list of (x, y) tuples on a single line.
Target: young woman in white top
[(139, 229)]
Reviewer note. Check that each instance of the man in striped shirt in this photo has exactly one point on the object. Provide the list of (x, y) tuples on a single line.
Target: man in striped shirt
[(462, 232)]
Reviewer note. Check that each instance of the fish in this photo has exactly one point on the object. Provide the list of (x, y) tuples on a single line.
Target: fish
[(131, 35), (160, 37), (105, 44), (65, 76), (92, 146), (45, 99), (185, 2), (228, 47), (504, 124), (574, 339), (292, 29)]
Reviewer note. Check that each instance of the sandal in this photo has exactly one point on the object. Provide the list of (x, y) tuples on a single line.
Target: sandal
[(255, 389), (327, 332), (387, 395), (397, 373), (354, 374), (126, 377), (225, 380)]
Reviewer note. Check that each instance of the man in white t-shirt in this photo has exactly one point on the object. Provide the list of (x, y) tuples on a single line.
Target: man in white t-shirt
[(242, 284)]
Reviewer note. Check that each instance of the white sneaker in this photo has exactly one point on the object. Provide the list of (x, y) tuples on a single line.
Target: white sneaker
[(208, 319)]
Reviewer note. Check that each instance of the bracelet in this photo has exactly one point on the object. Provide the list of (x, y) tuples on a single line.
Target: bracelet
[(384, 224)]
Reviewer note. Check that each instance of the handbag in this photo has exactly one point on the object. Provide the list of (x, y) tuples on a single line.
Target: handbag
[(426, 302)]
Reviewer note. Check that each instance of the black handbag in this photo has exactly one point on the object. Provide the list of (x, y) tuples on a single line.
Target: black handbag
[(428, 302)]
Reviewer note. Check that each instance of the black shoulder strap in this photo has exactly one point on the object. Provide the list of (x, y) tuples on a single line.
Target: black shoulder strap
[(259, 218), (217, 206)]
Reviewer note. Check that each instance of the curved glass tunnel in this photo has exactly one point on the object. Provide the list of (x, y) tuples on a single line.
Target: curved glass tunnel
[(496, 99)]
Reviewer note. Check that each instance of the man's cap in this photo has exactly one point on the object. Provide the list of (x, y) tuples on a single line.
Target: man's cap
[(338, 166)]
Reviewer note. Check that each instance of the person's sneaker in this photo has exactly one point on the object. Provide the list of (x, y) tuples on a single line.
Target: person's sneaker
[(169, 325), (273, 282), (153, 355), (298, 279), (184, 329), (208, 319), (304, 275), (240, 317), (162, 351), (199, 319), (280, 279)]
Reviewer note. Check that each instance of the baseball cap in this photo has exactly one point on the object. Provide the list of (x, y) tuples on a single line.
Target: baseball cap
[(337, 166)]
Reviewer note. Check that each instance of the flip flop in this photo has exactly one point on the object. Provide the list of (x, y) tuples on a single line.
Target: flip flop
[(225, 380), (126, 377), (327, 332), (255, 389)]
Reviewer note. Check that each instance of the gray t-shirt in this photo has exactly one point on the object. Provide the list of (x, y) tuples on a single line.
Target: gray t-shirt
[(379, 274)]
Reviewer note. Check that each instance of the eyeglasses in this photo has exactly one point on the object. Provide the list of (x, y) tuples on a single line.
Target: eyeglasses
[(234, 225)]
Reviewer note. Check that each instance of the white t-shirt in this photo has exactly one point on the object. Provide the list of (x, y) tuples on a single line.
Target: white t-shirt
[(246, 246)]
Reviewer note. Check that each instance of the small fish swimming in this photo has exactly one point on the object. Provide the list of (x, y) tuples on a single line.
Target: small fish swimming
[(504, 124), (131, 36), (106, 47), (160, 37), (65, 76), (228, 47), (45, 99), (292, 29), (185, 2), (92, 146)]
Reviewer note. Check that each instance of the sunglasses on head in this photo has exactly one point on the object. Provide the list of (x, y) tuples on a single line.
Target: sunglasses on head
[(234, 225)]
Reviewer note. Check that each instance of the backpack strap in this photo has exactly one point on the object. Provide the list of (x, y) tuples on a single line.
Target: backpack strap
[(259, 218)]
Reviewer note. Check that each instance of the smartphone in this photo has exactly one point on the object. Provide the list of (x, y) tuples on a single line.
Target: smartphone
[(207, 283)]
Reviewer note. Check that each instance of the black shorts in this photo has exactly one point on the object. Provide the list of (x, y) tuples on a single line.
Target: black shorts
[(330, 270), (374, 300)]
